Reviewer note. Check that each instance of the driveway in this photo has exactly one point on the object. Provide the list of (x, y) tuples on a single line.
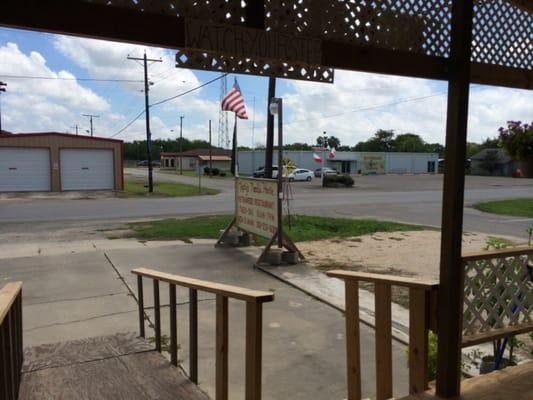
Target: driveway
[(70, 296)]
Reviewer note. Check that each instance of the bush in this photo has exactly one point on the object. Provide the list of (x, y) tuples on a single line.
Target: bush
[(222, 174), (338, 181), (214, 172)]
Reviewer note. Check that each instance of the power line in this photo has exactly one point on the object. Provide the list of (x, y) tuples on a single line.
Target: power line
[(69, 79), (368, 108), (128, 125), (189, 91)]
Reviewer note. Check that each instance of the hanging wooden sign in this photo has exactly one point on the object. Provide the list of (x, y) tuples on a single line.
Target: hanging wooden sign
[(247, 42)]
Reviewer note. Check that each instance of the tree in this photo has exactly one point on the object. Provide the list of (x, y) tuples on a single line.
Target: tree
[(381, 141), (297, 146), (334, 142), (409, 142)]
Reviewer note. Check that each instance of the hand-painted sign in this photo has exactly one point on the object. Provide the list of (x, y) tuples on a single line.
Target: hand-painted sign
[(373, 164), (257, 206), (239, 41)]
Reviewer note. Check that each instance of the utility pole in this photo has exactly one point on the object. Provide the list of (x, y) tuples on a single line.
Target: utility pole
[(75, 127), (181, 144), (324, 148), (91, 120), (147, 115), (210, 153), (2, 90), (269, 153)]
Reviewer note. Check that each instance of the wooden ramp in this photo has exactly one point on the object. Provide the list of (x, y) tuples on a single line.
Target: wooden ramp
[(513, 383), (110, 367)]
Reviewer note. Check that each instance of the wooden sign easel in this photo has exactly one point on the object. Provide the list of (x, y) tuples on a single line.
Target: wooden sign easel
[(286, 241)]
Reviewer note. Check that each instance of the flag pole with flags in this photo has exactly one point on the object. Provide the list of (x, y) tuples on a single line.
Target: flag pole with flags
[(234, 102)]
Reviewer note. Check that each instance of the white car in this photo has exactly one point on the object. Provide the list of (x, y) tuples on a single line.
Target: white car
[(300, 175)]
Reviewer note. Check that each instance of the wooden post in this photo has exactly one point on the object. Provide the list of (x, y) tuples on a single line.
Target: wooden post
[(353, 342), (451, 273), (173, 325), (221, 348), (193, 335), (254, 329), (383, 341), (140, 299), (418, 339), (157, 316)]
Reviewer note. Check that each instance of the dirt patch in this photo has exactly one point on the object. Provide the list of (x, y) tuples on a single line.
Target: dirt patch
[(397, 253), (406, 254)]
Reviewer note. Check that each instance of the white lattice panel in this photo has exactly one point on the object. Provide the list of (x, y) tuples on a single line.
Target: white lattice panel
[(498, 293), (502, 31)]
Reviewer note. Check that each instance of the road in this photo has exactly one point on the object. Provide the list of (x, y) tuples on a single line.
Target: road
[(414, 199)]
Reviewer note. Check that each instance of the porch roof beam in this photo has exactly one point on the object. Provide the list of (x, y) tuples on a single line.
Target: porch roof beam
[(81, 18)]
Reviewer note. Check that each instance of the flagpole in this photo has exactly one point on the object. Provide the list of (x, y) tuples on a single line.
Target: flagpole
[(236, 148)]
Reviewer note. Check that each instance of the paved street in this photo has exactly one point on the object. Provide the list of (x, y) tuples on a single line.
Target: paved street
[(407, 198)]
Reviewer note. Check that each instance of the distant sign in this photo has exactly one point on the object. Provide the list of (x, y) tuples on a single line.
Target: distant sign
[(247, 42), (257, 206), (373, 164)]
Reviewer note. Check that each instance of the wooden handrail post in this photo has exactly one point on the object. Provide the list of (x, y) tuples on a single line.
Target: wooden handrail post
[(383, 300), (353, 341), (254, 337), (193, 335), (157, 316), (140, 299), (173, 325), (221, 348), (418, 339)]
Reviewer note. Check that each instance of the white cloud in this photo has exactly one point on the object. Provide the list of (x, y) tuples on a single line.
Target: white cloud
[(36, 104), (109, 60), (358, 104)]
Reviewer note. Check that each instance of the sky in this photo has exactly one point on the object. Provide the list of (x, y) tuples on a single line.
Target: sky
[(352, 109)]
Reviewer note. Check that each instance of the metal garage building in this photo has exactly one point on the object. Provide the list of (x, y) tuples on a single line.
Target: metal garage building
[(59, 162), (350, 162)]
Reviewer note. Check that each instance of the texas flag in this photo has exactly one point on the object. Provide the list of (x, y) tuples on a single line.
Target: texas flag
[(317, 158)]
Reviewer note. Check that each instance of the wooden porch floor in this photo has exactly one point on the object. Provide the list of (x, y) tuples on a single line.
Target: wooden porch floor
[(111, 367), (514, 383)]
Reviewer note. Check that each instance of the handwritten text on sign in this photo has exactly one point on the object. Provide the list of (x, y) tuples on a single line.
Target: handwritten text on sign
[(238, 41), (257, 206)]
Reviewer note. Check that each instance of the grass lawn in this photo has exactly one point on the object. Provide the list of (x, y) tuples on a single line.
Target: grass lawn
[(304, 228), (194, 174), (134, 188), (514, 207)]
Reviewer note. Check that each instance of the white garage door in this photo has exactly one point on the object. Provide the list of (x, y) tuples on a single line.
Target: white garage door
[(24, 170), (86, 169)]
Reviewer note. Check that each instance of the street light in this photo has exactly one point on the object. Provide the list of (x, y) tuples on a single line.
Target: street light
[(324, 148), (276, 108), (2, 89)]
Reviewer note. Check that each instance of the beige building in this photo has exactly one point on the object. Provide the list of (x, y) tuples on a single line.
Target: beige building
[(193, 159), (58, 162)]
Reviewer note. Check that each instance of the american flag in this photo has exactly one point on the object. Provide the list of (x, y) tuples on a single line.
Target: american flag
[(234, 102)]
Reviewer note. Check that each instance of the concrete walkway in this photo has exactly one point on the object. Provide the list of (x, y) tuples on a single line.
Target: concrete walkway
[(75, 296)]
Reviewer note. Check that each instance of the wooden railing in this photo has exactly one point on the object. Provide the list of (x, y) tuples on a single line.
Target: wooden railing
[(498, 294), (422, 299), (10, 340), (254, 326)]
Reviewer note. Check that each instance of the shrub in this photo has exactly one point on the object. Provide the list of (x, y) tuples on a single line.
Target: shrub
[(338, 181), (214, 171), (222, 174)]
